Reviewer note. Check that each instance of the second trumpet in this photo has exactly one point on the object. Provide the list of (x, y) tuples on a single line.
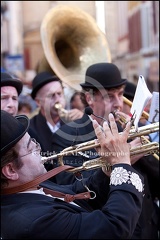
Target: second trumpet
[(147, 148)]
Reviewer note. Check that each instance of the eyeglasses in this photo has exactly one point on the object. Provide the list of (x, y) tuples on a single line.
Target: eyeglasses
[(37, 148)]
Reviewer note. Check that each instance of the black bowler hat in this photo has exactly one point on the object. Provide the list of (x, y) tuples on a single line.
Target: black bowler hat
[(12, 130), (129, 90), (40, 80), (9, 80), (103, 75)]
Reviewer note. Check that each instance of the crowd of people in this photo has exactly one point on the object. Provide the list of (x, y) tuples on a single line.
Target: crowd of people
[(125, 188)]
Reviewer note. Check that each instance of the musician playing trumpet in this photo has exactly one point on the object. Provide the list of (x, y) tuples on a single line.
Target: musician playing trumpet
[(33, 211), (103, 91), (48, 91)]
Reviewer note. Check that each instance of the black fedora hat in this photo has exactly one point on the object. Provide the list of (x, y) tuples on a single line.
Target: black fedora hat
[(129, 90), (12, 130), (40, 80), (9, 80), (103, 75)]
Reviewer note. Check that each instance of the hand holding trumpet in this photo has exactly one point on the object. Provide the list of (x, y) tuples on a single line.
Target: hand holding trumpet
[(68, 115), (122, 118), (136, 143), (113, 146), (96, 163)]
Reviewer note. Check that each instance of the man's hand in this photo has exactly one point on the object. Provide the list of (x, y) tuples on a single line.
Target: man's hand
[(122, 118), (135, 143), (74, 114), (113, 146)]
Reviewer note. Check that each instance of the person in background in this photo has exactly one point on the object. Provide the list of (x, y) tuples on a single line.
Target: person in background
[(11, 87), (76, 101), (24, 108), (25, 97), (103, 92), (47, 91), (32, 213)]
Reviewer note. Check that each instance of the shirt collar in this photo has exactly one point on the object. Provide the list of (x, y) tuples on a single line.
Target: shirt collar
[(55, 127)]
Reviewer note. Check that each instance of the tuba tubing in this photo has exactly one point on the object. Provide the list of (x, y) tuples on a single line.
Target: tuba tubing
[(129, 103)]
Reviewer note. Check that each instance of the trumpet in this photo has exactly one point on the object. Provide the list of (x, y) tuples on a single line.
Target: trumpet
[(147, 148), (63, 113)]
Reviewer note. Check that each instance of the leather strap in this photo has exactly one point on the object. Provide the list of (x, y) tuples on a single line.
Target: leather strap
[(42, 178), (67, 197), (36, 181)]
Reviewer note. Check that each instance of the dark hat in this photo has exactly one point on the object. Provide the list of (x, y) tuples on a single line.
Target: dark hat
[(129, 90), (12, 130), (103, 75), (40, 80), (9, 80)]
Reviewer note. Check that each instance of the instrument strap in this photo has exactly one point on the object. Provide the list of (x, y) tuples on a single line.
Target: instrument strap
[(67, 197), (42, 178)]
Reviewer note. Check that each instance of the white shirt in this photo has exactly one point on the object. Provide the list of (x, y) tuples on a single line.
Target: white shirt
[(55, 127)]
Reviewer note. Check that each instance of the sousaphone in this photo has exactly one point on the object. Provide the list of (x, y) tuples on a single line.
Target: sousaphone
[(72, 42)]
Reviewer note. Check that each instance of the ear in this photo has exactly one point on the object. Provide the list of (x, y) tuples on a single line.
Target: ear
[(89, 98), (10, 172), (38, 102)]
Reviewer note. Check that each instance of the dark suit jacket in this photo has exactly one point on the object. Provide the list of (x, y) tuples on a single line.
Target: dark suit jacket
[(36, 216), (40, 130), (70, 134)]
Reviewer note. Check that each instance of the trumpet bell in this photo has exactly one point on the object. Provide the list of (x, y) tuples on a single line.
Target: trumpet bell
[(72, 41)]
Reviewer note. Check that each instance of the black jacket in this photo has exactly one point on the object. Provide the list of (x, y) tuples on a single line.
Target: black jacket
[(40, 130), (36, 216)]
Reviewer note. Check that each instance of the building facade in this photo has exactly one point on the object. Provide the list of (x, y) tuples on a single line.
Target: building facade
[(131, 29)]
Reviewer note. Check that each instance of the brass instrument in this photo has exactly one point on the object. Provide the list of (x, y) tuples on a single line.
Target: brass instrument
[(72, 41), (129, 103), (148, 148), (144, 114), (61, 111)]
